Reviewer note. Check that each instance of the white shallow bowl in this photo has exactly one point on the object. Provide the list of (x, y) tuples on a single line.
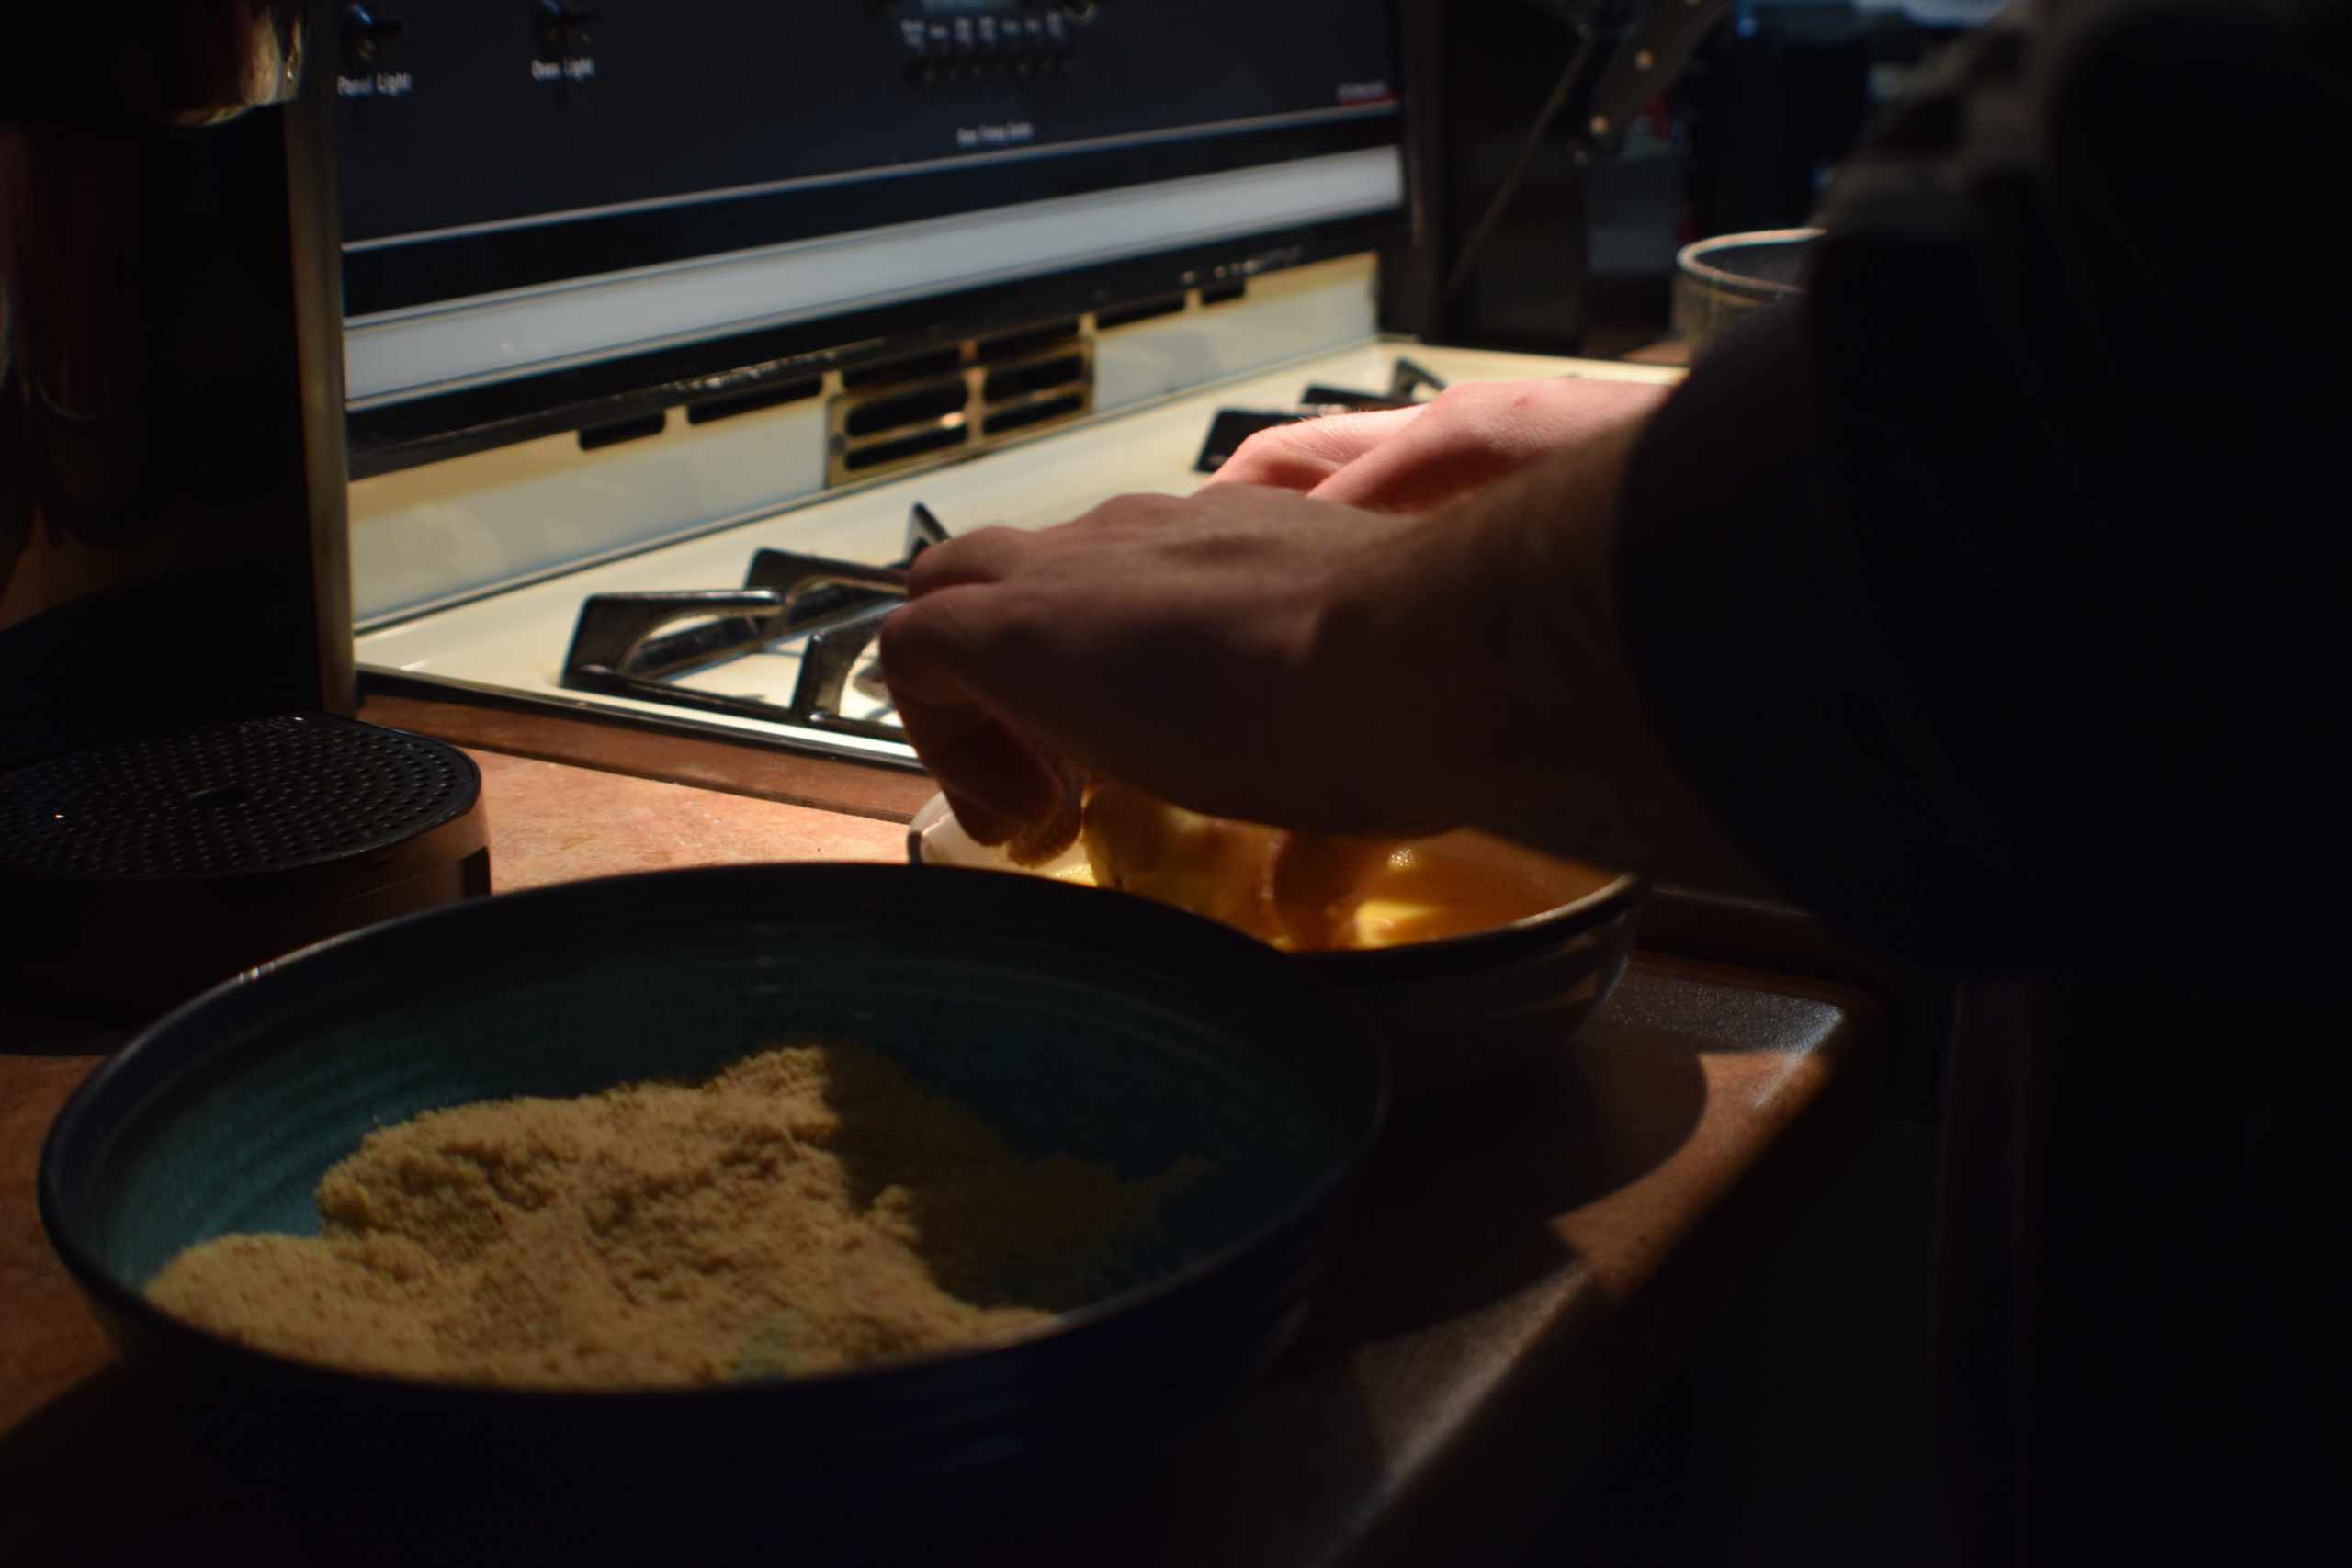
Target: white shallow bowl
[(1450, 1012)]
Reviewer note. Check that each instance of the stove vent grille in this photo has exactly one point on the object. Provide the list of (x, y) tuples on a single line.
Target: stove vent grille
[(958, 401)]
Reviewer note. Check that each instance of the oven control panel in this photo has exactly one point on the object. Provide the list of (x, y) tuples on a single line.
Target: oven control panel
[(461, 116), (1000, 37)]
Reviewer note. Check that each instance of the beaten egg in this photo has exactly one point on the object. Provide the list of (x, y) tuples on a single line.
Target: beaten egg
[(1421, 896)]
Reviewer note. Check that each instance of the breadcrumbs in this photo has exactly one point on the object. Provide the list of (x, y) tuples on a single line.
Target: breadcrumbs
[(807, 1209)]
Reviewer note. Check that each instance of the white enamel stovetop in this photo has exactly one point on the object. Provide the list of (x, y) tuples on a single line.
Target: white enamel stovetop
[(514, 641)]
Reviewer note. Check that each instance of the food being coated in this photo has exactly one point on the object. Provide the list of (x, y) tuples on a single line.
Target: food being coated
[(1299, 891)]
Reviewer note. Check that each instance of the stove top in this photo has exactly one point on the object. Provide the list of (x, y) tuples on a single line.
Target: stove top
[(761, 633), (799, 624)]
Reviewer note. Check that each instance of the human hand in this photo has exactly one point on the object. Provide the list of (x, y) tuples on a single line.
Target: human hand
[(1213, 651), (1420, 459), (1251, 653)]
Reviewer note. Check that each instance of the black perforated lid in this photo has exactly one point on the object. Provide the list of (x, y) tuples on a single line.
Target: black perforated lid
[(257, 794)]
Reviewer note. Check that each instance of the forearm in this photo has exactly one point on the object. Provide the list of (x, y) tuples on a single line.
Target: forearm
[(1496, 624)]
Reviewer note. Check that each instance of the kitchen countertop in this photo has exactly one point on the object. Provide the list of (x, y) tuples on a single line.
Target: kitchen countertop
[(1525, 1266)]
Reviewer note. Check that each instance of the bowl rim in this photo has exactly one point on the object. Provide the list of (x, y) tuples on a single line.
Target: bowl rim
[(1693, 261), (1435, 955), (135, 1070)]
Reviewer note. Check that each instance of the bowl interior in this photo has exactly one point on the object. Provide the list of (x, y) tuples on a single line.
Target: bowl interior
[(936, 838), (224, 1118)]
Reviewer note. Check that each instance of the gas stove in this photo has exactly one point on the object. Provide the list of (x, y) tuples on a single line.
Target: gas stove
[(658, 374), (758, 636)]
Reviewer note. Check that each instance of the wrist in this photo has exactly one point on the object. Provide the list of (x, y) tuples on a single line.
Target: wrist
[(1496, 694)]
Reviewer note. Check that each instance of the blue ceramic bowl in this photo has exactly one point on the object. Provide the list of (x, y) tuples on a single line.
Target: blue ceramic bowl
[(1109, 1028)]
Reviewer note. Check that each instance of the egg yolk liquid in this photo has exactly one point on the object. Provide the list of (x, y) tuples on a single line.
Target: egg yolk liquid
[(1422, 897)]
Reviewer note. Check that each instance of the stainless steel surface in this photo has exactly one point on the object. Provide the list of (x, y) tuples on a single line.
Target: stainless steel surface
[(618, 646)]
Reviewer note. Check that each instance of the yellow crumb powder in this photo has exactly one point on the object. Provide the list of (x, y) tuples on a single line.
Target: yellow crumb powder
[(809, 1208)]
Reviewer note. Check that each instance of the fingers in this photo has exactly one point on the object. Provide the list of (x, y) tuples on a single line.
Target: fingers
[(997, 784), (984, 555), (1417, 458), (1300, 456), (953, 651), (1470, 438), (1184, 644), (997, 781), (997, 554)]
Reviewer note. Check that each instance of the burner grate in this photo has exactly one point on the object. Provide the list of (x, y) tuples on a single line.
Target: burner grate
[(831, 609)]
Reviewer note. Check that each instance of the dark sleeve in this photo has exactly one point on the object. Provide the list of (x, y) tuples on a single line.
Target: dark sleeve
[(1995, 596)]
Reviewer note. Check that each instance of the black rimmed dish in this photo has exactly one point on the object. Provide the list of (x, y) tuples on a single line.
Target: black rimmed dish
[(1127, 1033), (1454, 1012)]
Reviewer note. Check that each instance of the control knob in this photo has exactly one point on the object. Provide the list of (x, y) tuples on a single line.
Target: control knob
[(366, 31), (563, 24)]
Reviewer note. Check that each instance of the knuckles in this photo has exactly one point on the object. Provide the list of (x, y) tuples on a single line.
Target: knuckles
[(947, 635), (1274, 450), (979, 556), (1141, 508)]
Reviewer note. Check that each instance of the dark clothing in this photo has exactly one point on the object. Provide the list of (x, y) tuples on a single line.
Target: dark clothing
[(2037, 512), (1995, 599), (2144, 1313)]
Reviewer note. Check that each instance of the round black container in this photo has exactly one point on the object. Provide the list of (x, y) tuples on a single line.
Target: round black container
[(132, 875), (1113, 1029)]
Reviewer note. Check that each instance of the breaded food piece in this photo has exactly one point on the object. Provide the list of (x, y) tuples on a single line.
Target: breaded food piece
[(1213, 867), (1319, 881)]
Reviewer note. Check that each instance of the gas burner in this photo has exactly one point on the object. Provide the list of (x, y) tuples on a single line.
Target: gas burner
[(825, 611)]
